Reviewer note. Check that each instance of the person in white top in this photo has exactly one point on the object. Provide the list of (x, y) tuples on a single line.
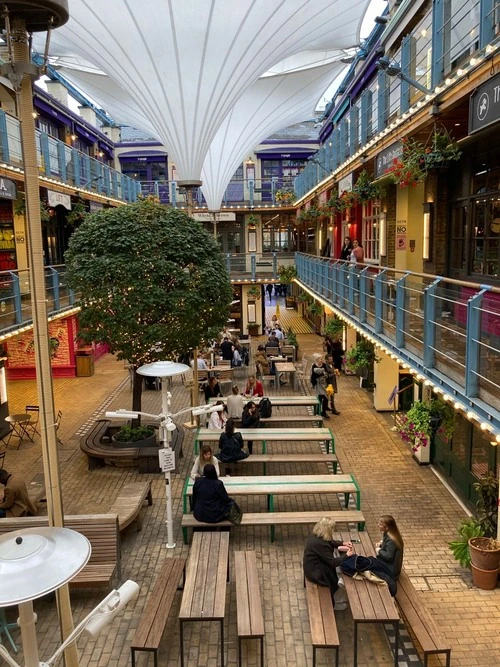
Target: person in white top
[(206, 456), (202, 364), (235, 403), (279, 334), (218, 420)]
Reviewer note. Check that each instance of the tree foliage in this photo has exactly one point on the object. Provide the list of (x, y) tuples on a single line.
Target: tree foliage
[(152, 281)]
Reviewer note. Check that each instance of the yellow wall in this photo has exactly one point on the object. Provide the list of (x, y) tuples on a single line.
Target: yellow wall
[(386, 377), (409, 215)]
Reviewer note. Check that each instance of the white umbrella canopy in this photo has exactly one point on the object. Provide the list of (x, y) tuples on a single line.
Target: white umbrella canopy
[(185, 64), (270, 104)]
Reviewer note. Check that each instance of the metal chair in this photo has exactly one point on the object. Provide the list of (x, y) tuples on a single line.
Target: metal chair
[(6, 627), (34, 412)]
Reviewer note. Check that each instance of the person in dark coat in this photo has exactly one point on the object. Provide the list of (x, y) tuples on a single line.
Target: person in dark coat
[(227, 348), (319, 561), (390, 549), (345, 253), (211, 502), (14, 498), (250, 419), (212, 389), (231, 445)]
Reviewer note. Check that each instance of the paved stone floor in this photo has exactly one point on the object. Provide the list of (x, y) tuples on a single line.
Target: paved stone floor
[(391, 482)]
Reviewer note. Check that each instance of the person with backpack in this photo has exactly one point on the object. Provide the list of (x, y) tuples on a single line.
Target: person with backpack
[(231, 446), (319, 374)]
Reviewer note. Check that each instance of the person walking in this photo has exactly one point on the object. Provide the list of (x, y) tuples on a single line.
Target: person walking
[(319, 374), (331, 379), (269, 290)]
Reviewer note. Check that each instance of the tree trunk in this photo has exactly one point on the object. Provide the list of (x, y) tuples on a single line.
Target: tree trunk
[(137, 393)]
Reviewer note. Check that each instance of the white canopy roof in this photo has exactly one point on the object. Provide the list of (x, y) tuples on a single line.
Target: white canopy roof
[(186, 64)]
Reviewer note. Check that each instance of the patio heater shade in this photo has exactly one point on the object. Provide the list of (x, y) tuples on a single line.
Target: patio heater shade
[(185, 64)]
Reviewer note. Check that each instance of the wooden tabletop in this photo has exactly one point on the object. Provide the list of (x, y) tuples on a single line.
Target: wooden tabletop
[(285, 367), (270, 434), (369, 603), (281, 400), (204, 596)]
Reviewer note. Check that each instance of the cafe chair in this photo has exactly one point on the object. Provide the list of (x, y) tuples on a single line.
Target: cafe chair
[(58, 425), (34, 412)]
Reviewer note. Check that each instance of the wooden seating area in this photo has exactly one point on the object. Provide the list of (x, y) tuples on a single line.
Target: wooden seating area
[(291, 458), (292, 419), (419, 621), (204, 596), (129, 503), (155, 614), (250, 620), (324, 633), (273, 519), (102, 532), (267, 435)]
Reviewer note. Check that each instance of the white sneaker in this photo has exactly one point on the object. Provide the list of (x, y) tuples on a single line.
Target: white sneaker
[(341, 582)]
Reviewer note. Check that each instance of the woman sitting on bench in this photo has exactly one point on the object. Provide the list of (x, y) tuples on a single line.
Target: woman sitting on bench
[(211, 502), (390, 549), (231, 446), (206, 456)]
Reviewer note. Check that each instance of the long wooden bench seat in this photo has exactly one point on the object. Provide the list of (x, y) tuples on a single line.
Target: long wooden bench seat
[(129, 503), (291, 458), (272, 519), (155, 614), (36, 492), (250, 620), (419, 620), (324, 633), (102, 532), (292, 419)]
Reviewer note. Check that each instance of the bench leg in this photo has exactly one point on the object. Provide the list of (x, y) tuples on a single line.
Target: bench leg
[(262, 652), (355, 644), (138, 522), (132, 651), (181, 631), (185, 535), (222, 643), (150, 497), (336, 656), (335, 465), (314, 656), (239, 652), (396, 643)]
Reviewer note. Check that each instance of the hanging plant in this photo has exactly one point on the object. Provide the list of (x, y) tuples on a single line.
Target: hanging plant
[(333, 327), (423, 419), (284, 196), (361, 356), (251, 220), (77, 214), (287, 274), (364, 189), (254, 292), (304, 298), (46, 213), (314, 309)]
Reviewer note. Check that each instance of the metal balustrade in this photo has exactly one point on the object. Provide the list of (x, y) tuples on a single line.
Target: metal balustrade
[(58, 161), (447, 330)]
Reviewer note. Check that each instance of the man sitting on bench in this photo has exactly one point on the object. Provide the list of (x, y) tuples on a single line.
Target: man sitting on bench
[(14, 498)]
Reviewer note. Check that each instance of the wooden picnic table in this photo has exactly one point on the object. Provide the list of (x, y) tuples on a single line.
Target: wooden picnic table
[(283, 401), (369, 603), (286, 367), (204, 596), (274, 485), (266, 435)]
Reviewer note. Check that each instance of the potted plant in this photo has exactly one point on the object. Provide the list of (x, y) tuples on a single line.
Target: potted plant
[(287, 275), (139, 436), (334, 327), (291, 338), (364, 189), (467, 529), (361, 357), (77, 214), (421, 422), (254, 292), (285, 196)]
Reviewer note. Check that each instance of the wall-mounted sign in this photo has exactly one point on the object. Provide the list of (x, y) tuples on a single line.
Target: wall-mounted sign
[(58, 199), (345, 184), (95, 206), (386, 157), (484, 106), (8, 189), (220, 217)]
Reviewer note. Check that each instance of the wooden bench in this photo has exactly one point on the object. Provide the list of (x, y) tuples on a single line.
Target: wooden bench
[(102, 532), (248, 603), (129, 503), (292, 419), (155, 614), (267, 435), (324, 633), (204, 596), (291, 458), (37, 492), (273, 519), (418, 618)]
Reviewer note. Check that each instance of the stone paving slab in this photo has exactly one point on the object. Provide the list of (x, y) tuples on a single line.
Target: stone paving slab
[(391, 482)]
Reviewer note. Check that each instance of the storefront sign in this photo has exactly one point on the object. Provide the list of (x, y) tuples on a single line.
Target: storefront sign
[(484, 106), (95, 206), (345, 184), (7, 189), (220, 217), (58, 199), (386, 157), (401, 234)]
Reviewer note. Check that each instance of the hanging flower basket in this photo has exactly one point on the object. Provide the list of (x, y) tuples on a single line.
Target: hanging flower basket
[(284, 196), (364, 189)]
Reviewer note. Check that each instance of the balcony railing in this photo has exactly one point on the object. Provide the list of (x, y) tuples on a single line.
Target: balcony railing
[(244, 193), (447, 329), (58, 161)]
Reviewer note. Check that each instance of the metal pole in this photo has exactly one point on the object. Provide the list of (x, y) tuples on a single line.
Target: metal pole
[(21, 55), (165, 438)]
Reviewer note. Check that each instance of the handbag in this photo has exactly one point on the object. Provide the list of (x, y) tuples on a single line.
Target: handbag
[(235, 514)]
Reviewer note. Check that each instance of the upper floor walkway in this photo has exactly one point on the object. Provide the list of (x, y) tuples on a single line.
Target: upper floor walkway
[(445, 331)]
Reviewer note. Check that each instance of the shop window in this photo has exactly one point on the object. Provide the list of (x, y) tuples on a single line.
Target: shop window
[(486, 237), (371, 226), (458, 245), (480, 453), (278, 233)]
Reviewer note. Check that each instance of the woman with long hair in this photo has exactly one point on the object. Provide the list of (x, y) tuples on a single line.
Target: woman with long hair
[(390, 549), (218, 420), (206, 457), (211, 502)]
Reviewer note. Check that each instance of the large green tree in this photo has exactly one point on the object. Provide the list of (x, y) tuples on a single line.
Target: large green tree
[(151, 281)]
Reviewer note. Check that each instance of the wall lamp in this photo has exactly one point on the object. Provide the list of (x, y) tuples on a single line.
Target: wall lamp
[(393, 69), (382, 235), (426, 232)]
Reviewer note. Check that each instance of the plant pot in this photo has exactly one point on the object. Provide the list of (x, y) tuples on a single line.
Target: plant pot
[(481, 557), (253, 329), (422, 454), (486, 580)]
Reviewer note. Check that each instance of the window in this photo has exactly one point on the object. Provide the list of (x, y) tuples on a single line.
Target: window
[(421, 60), (48, 127), (460, 32), (371, 225), (486, 236), (458, 245), (278, 233)]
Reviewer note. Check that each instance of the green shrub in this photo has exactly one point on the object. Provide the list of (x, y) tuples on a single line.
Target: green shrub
[(129, 434)]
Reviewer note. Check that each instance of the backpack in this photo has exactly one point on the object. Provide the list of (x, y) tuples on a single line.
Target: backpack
[(314, 377), (265, 408)]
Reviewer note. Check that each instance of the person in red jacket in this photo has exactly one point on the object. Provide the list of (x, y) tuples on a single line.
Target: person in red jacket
[(254, 387)]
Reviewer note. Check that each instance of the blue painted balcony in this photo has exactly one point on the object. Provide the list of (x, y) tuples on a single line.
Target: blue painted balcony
[(447, 330), (60, 163)]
